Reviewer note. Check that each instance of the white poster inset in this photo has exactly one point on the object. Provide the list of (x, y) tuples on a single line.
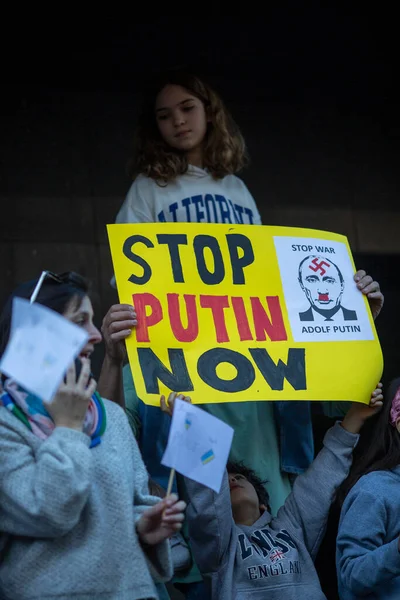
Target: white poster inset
[(322, 299)]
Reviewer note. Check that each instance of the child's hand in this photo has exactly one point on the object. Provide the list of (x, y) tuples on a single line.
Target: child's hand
[(161, 520), (359, 412), (372, 290), (167, 406)]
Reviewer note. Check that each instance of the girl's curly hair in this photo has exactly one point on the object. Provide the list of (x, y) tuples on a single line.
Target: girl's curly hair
[(224, 147)]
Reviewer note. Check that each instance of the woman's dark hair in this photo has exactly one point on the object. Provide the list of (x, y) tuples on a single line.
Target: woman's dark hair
[(240, 468), (224, 148), (56, 292), (380, 450)]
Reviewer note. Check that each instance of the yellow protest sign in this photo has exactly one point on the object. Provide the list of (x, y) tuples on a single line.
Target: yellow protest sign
[(232, 313)]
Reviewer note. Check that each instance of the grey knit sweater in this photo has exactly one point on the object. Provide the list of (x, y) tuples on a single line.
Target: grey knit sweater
[(67, 515)]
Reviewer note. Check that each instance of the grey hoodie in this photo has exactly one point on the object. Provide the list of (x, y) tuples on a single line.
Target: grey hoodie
[(273, 558)]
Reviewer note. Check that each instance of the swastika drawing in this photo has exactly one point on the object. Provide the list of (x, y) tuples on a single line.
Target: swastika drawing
[(319, 266)]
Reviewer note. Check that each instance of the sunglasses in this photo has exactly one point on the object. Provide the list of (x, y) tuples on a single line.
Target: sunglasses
[(67, 277)]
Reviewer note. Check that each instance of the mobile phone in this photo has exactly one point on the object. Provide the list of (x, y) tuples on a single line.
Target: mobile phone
[(78, 369)]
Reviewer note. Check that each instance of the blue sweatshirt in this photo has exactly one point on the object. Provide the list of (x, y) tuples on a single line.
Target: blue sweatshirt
[(368, 557)]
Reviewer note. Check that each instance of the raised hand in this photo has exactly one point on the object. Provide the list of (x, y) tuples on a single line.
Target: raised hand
[(167, 406), (372, 290), (359, 412), (117, 326)]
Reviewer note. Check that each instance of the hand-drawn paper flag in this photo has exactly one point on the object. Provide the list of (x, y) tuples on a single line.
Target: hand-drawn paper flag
[(41, 347), (198, 445)]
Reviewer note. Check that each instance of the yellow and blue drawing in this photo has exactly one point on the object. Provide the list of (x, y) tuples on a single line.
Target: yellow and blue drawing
[(207, 457)]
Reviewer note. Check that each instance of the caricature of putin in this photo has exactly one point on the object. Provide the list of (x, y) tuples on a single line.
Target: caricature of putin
[(323, 284)]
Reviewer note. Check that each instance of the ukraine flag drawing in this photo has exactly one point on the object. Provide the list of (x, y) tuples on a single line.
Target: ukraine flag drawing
[(207, 457), (188, 422)]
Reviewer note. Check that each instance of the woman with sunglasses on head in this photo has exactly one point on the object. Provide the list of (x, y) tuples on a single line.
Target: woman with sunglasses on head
[(76, 517)]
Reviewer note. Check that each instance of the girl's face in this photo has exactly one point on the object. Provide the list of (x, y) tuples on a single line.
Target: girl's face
[(82, 315), (181, 118)]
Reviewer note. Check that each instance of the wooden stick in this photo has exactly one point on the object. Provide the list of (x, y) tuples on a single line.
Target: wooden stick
[(170, 481)]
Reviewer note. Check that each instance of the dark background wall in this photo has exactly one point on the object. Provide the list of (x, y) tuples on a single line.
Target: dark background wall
[(314, 94)]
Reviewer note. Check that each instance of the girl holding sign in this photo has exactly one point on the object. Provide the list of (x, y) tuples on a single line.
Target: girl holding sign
[(368, 544), (76, 517), (188, 150)]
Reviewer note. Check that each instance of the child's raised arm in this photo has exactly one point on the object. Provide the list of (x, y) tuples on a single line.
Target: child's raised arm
[(308, 505), (359, 413)]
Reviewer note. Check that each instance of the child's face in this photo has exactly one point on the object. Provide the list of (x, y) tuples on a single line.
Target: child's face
[(242, 491), (181, 118)]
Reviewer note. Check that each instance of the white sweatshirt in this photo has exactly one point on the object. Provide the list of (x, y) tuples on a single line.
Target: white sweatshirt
[(195, 197)]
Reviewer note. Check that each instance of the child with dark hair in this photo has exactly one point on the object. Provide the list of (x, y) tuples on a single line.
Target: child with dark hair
[(243, 551), (238, 471), (368, 543)]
